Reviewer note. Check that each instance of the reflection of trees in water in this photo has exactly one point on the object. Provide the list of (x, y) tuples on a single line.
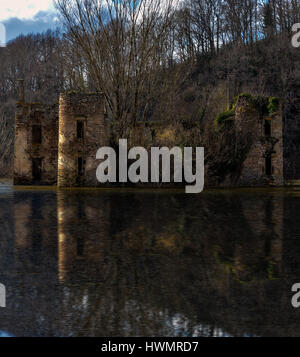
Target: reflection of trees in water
[(148, 264), (6, 232)]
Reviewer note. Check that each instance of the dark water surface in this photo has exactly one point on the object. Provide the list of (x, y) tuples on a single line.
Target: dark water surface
[(111, 263)]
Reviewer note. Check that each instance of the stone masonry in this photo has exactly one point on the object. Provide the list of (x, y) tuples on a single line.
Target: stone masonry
[(35, 152), (82, 131), (263, 165), (57, 145)]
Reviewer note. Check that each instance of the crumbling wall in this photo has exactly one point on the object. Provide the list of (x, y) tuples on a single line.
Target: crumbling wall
[(89, 110), (250, 134), (26, 150), (291, 117), (69, 145), (7, 114)]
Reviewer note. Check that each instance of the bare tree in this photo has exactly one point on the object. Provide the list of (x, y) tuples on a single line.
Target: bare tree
[(122, 43)]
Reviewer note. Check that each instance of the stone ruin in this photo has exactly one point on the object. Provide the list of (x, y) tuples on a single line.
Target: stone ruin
[(57, 144), (263, 165)]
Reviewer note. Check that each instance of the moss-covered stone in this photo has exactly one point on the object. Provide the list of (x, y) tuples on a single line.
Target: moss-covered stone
[(223, 117)]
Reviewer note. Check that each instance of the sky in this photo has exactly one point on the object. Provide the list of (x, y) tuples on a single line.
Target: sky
[(27, 16)]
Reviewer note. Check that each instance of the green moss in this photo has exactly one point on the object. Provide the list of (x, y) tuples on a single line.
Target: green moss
[(242, 95), (263, 105), (271, 270), (256, 101), (245, 95), (273, 105), (71, 92), (223, 117)]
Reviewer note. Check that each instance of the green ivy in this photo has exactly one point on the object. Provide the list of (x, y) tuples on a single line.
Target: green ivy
[(242, 95), (264, 106), (273, 105), (223, 117)]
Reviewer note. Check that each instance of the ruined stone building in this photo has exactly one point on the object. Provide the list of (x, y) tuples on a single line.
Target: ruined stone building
[(36, 137), (263, 164), (57, 145)]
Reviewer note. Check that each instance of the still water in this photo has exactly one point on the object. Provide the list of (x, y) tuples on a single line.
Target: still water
[(162, 263)]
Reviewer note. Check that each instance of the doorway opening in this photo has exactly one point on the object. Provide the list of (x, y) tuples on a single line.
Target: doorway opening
[(80, 129), (268, 128), (36, 134), (37, 169), (80, 166), (268, 165)]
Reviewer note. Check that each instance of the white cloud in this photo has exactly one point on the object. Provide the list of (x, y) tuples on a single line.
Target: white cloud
[(23, 9)]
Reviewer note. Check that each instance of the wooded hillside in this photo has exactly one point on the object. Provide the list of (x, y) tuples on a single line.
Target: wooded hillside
[(158, 60)]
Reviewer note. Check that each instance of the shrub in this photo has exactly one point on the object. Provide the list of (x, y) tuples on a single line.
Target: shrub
[(273, 105)]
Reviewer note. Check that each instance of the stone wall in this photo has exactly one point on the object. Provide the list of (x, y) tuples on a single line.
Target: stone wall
[(7, 119), (258, 146), (77, 162), (291, 120), (27, 151), (66, 152)]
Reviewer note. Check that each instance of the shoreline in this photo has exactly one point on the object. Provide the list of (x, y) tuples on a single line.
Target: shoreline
[(8, 183)]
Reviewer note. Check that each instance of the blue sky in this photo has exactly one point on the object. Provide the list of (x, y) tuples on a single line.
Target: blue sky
[(26, 16)]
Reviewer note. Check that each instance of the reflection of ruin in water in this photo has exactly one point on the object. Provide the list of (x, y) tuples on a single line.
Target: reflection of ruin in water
[(81, 250), (83, 263)]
